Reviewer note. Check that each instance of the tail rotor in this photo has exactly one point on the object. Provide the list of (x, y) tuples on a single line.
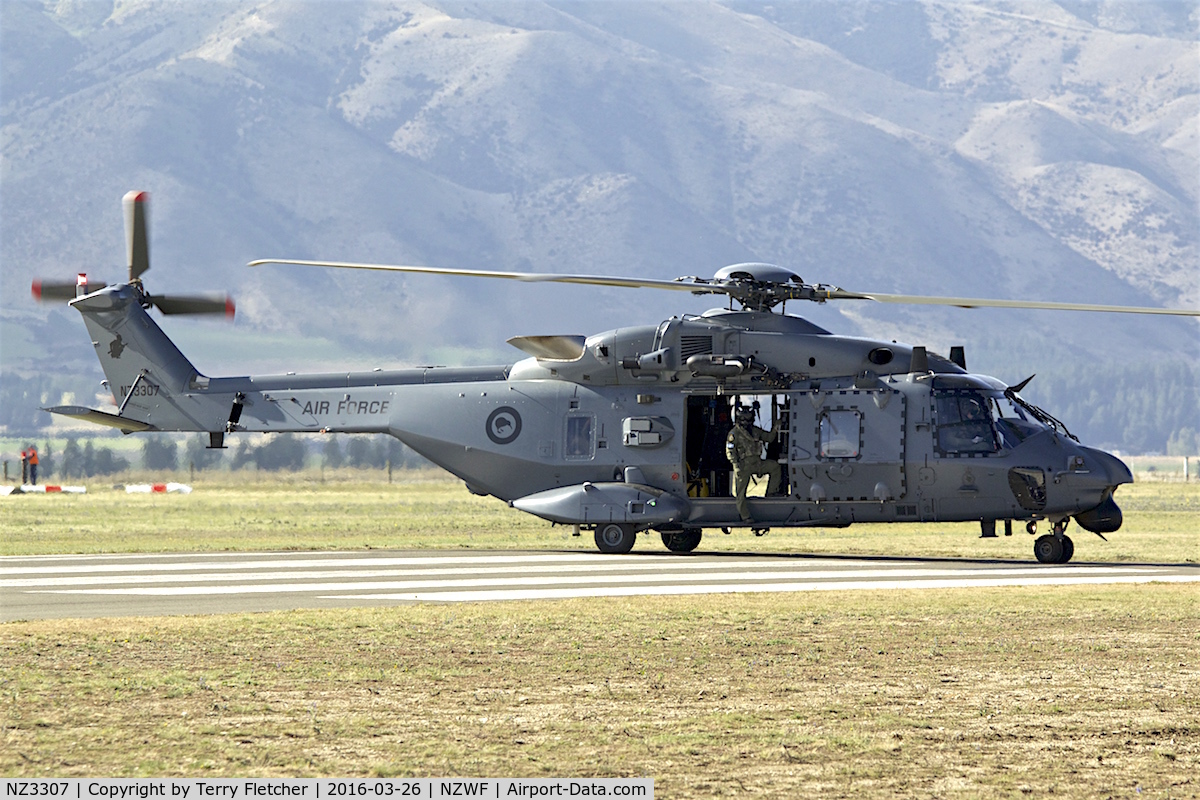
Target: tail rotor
[(137, 247)]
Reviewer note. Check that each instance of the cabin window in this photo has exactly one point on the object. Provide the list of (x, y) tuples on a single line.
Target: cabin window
[(580, 441), (841, 433), (964, 425)]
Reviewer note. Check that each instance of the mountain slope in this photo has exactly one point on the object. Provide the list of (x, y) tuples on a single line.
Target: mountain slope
[(1028, 149)]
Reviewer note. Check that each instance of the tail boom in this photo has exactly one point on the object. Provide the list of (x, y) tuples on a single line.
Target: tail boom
[(156, 388)]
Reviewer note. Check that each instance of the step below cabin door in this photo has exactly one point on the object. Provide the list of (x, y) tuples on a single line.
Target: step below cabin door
[(847, 445)]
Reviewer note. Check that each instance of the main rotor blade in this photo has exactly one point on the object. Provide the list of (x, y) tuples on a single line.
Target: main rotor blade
[(977, 302), (207, 303), (702, 286), (137, 246), (530, 277)]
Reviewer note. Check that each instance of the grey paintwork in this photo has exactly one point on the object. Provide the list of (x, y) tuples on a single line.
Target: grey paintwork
[(594, 428), (598, 503)]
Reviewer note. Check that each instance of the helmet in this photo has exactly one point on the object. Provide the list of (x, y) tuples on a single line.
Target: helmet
[(745, 416)]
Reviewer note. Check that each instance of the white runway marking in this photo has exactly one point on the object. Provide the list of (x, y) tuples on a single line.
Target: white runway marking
[(113, 585), (914, 575), (735, 588), (523, 569), (274, 562)]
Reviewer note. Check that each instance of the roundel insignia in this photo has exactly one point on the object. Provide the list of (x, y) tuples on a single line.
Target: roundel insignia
[(503, 425)]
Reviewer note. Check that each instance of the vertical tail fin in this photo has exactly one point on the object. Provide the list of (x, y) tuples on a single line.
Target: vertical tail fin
[(150, 379)]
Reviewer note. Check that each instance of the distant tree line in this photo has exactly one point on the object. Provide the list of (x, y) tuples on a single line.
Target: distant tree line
[(284, 451), (368, 452), (287, 451), (22, 397), (1134, 408), (1138, 408), (1185, 442), (88, 460), (88, 457)]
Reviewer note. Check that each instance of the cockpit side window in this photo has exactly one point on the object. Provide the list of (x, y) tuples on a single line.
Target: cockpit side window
[(1013, 424), (964, 424)]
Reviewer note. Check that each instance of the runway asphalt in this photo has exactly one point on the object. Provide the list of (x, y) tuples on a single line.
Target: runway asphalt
[(48, 587)]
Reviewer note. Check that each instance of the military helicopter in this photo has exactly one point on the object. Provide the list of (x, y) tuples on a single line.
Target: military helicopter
[(625, 431)]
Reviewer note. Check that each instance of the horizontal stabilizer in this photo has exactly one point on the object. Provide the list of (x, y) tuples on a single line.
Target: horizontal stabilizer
[(101, 418)]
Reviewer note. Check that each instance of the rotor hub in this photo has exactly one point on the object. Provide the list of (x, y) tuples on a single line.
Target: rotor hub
[(760, 287)]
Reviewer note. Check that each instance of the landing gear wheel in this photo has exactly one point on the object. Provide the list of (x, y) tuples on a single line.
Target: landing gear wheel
[(615, 537), (682, 541), (1049, 549), (1068, 549)]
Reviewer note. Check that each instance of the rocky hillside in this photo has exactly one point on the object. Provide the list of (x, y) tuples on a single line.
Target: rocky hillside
[(1019, 149)]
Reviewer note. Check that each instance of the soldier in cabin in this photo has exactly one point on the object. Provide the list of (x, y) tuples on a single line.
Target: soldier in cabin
[(743, 448)]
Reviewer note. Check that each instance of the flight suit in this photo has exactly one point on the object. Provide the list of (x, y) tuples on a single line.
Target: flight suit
[(743, 448)]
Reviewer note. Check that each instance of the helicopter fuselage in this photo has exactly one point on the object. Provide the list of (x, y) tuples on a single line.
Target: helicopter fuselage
[(627, 428)]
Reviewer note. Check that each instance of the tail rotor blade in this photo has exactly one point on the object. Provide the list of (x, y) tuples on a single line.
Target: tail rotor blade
[(136, 242), (207, 303), (51, 291), (134, 204)]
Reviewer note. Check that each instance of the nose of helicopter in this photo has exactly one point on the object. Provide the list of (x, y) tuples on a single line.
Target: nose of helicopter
[(1117, 470), (1105, 517)]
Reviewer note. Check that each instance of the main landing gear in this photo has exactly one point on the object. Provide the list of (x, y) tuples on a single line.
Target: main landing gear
[(1052, 548), (619, 537), (684, 541)]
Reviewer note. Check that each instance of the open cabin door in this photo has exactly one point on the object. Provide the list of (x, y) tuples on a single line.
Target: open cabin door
[(847, 445)]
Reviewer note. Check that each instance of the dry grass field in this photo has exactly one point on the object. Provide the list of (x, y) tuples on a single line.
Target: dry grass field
[(423, 509), (1072, 692), (1085, 692)]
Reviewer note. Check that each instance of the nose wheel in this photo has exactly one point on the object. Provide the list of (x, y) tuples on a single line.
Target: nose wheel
[(1054, 548), (615, 537)]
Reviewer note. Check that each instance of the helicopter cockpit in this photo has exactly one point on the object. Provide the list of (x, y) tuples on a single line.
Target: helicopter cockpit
[(972, 422), (1013, 423), (964, 423)]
